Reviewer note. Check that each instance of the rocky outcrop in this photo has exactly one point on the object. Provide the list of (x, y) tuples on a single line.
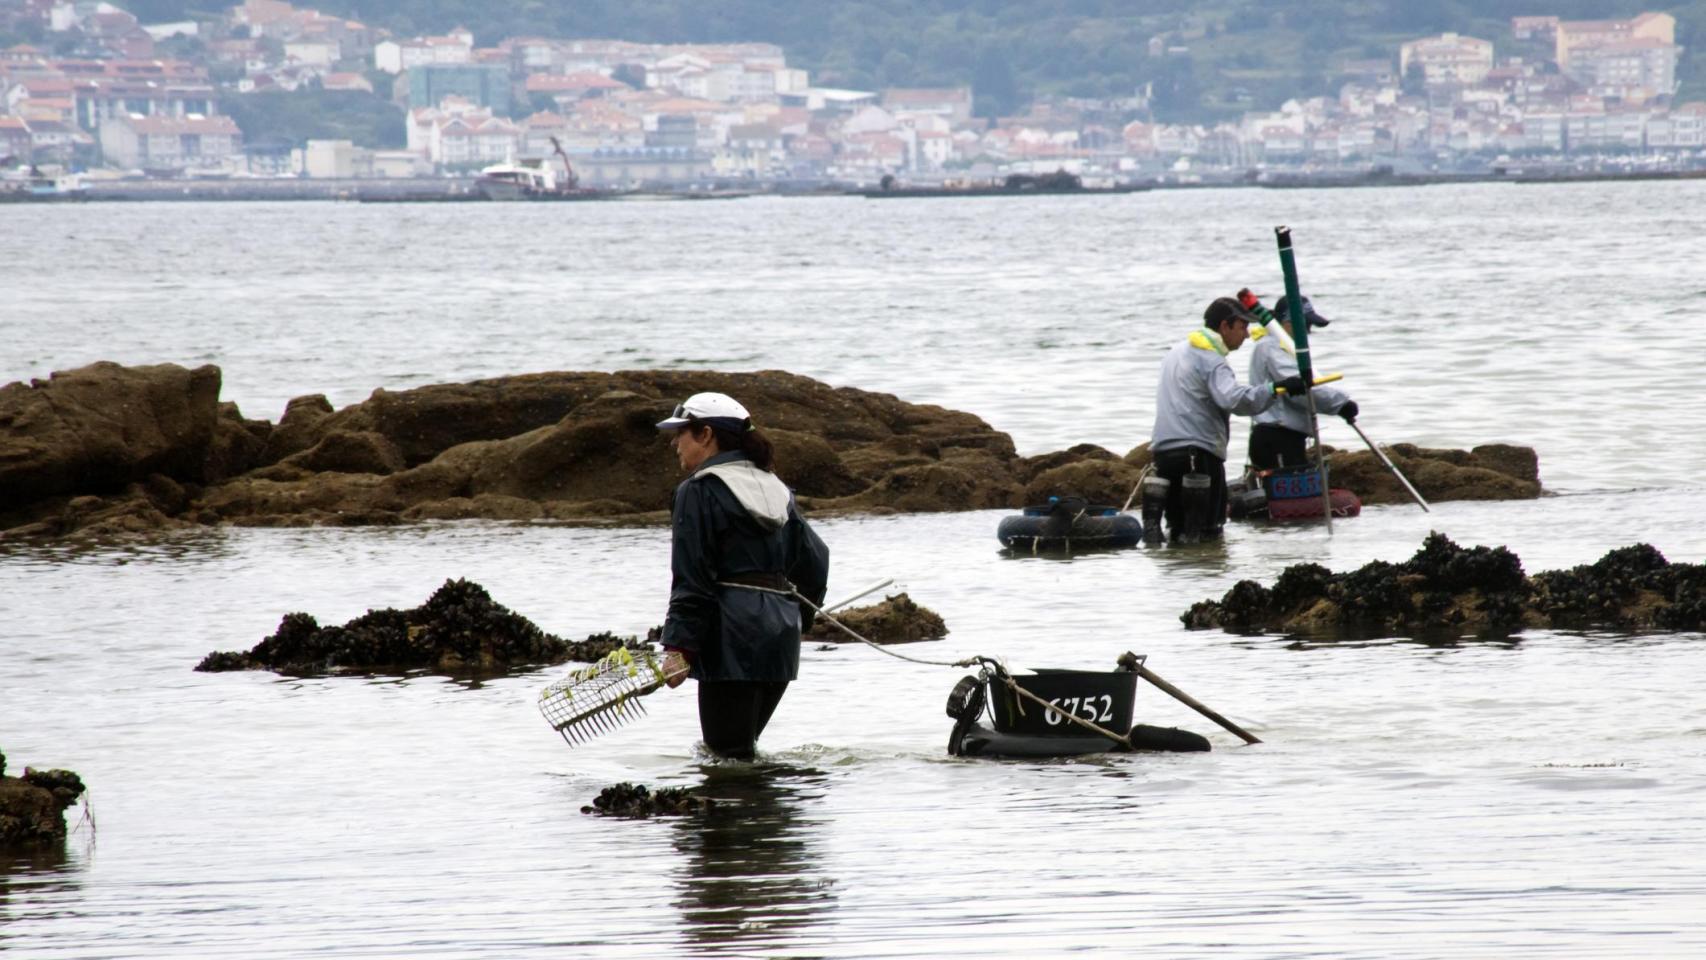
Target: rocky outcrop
[(898, 619), (1448, 589), (32, 807), (99, 428), (1494, 471), (459, 629), (110, 449)]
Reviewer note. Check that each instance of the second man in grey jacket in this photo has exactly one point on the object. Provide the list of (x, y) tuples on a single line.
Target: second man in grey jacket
[(1194, 404)]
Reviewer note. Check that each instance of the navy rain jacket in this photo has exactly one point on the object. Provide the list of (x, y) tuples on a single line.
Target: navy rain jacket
[(730, 520)]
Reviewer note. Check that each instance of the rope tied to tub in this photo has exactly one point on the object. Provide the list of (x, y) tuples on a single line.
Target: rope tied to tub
[(1132, 662)]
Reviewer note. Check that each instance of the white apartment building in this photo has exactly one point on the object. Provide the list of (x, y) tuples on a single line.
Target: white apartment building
[(1645, 63), (171, 143), (1448, 58), (394, 56), (1573, 35)]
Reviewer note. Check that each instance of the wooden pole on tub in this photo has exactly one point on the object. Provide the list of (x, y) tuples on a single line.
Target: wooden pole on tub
[(1135, 663)]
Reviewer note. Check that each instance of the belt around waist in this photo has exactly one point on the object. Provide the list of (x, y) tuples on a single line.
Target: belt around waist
[(758, 580)]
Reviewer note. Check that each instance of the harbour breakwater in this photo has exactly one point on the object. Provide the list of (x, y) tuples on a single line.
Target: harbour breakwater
[(112, 449)]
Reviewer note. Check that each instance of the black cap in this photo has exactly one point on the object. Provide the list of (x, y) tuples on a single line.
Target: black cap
[(1309, 314), (1224, 309)]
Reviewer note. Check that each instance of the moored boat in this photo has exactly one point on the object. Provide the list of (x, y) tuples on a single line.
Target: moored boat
[(33, 184), (515, 181)]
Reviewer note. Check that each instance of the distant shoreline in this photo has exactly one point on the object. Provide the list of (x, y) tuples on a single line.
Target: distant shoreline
[(461, 190)]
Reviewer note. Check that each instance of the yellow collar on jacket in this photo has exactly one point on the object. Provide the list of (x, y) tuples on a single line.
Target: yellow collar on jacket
[(1280, 337), (1206, 339)]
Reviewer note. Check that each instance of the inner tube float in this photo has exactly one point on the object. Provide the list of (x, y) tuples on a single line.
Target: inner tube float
[(979, 740), (1068, 523)]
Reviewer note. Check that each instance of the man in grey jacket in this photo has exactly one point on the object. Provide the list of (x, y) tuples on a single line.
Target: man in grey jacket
[(1279, 434), (1194, 403)]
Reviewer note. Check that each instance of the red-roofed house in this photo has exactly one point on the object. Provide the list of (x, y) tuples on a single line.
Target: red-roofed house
[(21, 53), (57, 109), (35, 88), (868, 154), (600, 125), (346, 81), (565, 89), (465, 141), (458, 132), (1139, 139)]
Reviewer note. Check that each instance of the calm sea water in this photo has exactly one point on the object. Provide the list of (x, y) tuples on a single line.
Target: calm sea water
[(1543, 796)]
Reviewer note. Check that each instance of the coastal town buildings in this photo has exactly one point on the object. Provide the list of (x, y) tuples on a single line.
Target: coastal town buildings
[(154, 97)]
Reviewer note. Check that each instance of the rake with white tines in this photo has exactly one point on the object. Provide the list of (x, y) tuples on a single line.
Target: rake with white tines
[(607, 694), (604, 696)]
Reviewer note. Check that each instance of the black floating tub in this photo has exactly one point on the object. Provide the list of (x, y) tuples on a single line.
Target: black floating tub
[(1022, 728)]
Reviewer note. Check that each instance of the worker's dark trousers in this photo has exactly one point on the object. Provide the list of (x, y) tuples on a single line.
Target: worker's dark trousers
[(1174, 464), (732, 713), (1272, 445)]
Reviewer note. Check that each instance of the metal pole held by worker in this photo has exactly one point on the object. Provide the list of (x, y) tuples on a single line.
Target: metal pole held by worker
[(1305, 368), (1392, 467)]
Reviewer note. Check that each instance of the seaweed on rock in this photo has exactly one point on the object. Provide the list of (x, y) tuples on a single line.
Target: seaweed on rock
[(32, 807), (636, 801), (1478, 589), (897, 619), (1629, 588), (459, 628)]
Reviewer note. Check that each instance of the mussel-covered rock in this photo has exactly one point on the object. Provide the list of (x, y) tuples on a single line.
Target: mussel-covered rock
[(1468, 590), (459, 628), (1632, 587), (898, 619), (32, 807), (637, 801)]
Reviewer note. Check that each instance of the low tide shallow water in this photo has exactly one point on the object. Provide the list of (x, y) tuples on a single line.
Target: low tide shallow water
[(1543, 795), (1534, 796)]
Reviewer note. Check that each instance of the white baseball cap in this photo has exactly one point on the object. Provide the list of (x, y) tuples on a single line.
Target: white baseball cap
[(713, 409)]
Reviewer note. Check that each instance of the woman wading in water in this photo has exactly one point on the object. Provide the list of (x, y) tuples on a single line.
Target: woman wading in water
[(740, 549)]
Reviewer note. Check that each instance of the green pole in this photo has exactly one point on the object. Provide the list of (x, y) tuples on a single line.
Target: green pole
[(1305, 367)]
